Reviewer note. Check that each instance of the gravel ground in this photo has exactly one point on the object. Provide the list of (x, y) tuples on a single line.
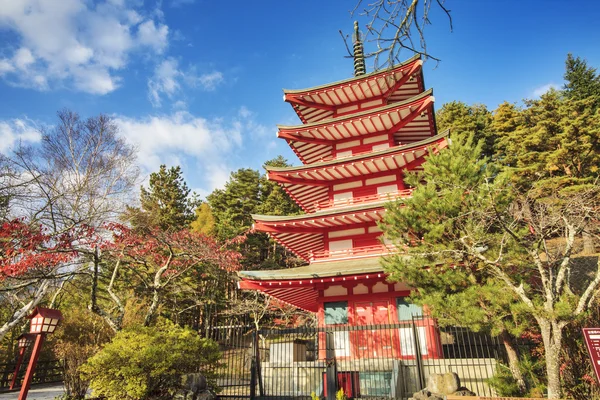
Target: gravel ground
[(38, 392)]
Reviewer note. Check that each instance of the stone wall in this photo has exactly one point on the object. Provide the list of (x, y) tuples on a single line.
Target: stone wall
[(302, 378)]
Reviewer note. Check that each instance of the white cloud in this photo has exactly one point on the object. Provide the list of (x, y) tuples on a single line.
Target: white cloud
[(152, 35), (537, 92), (161, 137), (164, 81), (172, 139), (210, 81), (17, 130), (76, 43), (168, 79)]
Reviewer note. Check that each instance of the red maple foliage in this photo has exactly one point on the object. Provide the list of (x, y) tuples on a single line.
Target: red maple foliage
[(177, 251), (26, 249)]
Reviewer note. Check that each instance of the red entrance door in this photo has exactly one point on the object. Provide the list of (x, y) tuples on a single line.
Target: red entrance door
[(373, 341)]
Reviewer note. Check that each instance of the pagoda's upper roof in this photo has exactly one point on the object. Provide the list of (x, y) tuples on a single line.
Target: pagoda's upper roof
[(398, 83), (409, 120), (304, 234), (309, 184)]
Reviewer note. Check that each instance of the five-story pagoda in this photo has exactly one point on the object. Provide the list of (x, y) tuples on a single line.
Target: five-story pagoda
[(357, 139)]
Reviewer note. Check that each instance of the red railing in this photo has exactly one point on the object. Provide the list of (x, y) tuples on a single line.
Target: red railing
[(322, 205), (355, 252)]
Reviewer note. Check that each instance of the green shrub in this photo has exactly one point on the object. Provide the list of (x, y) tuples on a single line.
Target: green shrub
[(148, 362), (532, 369), (79, 337)]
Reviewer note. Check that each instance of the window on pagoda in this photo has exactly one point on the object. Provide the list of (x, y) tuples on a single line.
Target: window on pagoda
[(337, 246), (407, 310), (336, 313)]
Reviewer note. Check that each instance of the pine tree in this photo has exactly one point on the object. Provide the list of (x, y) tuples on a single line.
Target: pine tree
[(248, 192), (165, 203), (582, 81), (464, 120), (468, 225)]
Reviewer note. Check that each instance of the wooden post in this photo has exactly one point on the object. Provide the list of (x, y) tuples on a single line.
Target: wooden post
[(37, 347), (18, 367)]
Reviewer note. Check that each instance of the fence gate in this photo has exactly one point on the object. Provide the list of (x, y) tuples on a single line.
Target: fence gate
[(234, 375), (369, 361)]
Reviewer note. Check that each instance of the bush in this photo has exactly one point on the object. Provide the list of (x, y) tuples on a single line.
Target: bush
[(148, 362), (79, 337)]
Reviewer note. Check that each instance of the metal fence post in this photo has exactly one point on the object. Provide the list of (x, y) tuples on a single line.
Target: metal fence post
[(331, 378), (253, 366), (259, 379), (418, 355)]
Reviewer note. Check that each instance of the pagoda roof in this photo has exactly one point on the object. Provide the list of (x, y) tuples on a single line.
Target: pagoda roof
[(297, 286), (390, 85), (309, 184), (409, 120), (304, 234)]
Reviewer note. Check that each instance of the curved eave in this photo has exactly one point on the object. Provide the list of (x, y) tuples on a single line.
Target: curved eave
[(302, 275), (299, 286), (304, 234), (361, 157), (310, 184), (406, 121), (297, 130), (326, 101), (304, 218)]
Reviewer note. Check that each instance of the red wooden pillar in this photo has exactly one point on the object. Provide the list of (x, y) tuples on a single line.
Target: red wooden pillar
[(18, 367), (37, 347)]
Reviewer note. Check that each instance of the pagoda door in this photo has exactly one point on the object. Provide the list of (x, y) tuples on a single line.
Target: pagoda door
[(373, 341)]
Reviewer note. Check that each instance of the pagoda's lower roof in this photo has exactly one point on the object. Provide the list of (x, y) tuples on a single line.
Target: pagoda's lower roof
[(309, 185), (397, 83), (297, 286)]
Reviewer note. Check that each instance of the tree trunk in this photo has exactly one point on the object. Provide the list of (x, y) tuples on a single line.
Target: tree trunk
[(552, 337), (513, 361), (153, 307), (24, 311), (588, 243)]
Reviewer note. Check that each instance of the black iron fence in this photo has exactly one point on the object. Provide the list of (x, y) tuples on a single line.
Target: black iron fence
[(384, 361)]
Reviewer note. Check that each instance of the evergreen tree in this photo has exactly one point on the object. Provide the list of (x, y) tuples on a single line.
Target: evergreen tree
[(275, 201), (165, 203), (233, 205), (582, 81), (205, 220), (464, 120), (469, 224), (247, 193), (506, 119)]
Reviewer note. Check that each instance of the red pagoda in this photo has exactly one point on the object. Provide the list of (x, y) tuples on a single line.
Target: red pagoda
[(357, 139)]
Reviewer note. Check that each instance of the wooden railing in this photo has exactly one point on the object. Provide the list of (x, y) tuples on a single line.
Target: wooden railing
[(45, 372), (355, 252), (352, 201)]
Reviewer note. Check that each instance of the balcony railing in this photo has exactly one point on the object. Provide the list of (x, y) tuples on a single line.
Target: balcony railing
[(355, 252), (352, 201)]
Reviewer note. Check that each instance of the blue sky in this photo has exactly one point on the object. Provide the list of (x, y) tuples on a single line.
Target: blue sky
[(198, 83)]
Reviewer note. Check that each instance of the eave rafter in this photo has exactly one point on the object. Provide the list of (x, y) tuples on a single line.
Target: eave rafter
[(315, 175), (308, 133), (331, 98), (304, 235), (415, 67)]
